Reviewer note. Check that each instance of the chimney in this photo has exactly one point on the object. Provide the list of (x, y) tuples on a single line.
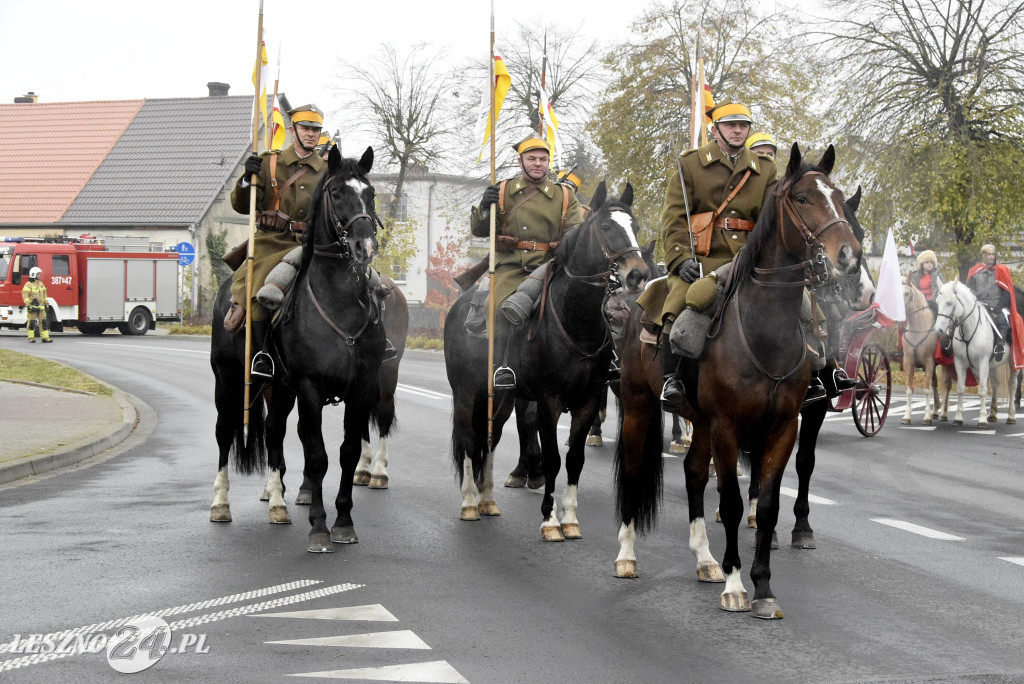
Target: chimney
[(28, 97), (218, 89)]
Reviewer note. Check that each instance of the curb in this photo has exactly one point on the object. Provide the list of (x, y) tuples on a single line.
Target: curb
[(79, 451)]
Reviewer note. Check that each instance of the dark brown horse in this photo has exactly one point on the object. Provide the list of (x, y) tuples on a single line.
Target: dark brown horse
[(560, 358), (747, 389)]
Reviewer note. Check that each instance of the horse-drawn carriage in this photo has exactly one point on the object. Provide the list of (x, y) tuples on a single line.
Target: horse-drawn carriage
[(868, 363)]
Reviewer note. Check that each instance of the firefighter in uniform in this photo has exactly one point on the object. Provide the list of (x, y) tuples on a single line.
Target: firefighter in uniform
[(533, 214), (34, 296), (727, 182)]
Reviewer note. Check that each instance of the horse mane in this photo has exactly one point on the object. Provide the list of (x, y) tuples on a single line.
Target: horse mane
[(743, 264)]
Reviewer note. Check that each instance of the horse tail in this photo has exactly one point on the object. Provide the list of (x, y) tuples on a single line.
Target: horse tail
[(638, 482), (250, 453)]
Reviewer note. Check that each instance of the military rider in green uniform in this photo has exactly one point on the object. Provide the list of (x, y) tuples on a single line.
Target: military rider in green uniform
[(533, 214), (728, 184)]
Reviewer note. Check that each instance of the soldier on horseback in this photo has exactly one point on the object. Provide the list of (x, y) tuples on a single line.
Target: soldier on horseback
[(992, 285), (724, 184), (533, 215), (287, 181)]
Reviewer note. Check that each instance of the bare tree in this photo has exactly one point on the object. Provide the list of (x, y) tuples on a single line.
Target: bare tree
[(406, 101)]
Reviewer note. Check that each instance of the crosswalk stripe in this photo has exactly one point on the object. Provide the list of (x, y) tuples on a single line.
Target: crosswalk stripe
[(438, 671), (402, 638), (374, 613), (1013, 559), (917, 529), (811, 498)]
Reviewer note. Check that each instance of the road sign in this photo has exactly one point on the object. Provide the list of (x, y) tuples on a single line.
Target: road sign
[(186, 253)]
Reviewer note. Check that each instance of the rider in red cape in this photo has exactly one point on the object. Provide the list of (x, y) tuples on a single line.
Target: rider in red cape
[(1004, 282)]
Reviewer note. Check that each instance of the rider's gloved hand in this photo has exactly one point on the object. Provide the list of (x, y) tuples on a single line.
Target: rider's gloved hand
[(689, 270), (252, 166), (490, 197)]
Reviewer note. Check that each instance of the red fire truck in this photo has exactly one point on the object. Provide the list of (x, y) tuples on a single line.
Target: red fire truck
[(88, 285)]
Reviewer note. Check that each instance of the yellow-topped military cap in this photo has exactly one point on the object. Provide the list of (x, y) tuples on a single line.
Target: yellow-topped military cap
[(759, 139), (531, 143), (730, 111), (307, 115), (569, 177)]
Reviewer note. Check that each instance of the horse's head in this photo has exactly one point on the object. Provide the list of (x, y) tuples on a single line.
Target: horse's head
[(951, 302), (343, 216), (861, 289), (813, 218), (606, 241)]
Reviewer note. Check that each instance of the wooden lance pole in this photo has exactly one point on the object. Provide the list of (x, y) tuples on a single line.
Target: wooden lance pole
[(490, 265), (252, 224)]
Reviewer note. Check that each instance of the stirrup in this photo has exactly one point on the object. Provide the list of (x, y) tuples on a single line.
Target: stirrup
[(815, 392), (997, 352), (504, 378), (262, 366), (672, 395), (843, 381), (390, 353)]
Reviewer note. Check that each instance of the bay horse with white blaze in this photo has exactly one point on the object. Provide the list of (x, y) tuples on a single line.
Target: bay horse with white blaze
[(328, 347), (560, 358), (748, 387)]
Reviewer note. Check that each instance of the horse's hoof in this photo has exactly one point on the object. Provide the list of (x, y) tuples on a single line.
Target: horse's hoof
[(926, 421), (304, 498), (379, 482), (905, 421), (751, 521), (958, 423), (516, 481), (470, 513), (775, 541), (279, 516), (718, 516), (595, 440), (710, 572), (320, 542), (944, 418), (677, 447), (361, 479), (803, 540), (1011, 421), (571, 531), (535, 481), (489, 508), (550, 533), (265, 496), (344, 535), (735, 602), (626, 569), (766, 609), (220, 513)]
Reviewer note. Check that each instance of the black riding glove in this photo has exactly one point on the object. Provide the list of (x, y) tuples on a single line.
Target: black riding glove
[(689, 270), (252, 166), (490, 197)]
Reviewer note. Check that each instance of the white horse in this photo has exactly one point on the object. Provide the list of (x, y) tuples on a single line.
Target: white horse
[(974, 335)]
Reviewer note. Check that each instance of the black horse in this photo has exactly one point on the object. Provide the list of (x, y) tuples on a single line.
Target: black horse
[(328, 346), (560, 358)]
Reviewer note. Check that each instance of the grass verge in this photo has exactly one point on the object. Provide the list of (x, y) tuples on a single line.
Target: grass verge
[(27, 368)]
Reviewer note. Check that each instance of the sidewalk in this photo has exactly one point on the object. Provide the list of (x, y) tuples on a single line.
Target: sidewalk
[(46, 427)]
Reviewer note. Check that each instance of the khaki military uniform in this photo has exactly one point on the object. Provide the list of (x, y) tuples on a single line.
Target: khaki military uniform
[(533, 225), (710, 178), (271, 245)]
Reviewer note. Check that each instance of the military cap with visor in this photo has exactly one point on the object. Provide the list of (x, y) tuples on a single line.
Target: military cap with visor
[(567, 177), (531, 143), (760, 140), (307, 115), (730, 111)]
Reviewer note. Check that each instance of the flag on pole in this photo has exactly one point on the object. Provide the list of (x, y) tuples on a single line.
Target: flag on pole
[(889, 293), (263, 76), (502, 82), (277, 124), (547, 115), (709, 104)]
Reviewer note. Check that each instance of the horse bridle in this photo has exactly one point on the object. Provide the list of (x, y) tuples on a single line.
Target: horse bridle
[(955, 324), (338, 248), (815, 266)]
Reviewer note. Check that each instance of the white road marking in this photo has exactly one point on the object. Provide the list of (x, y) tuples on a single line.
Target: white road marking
[(977, 432), (1016, 434), (420, 392), (1013, 559), (917, 529), (438, 671), (200, 352), (371, 613), (925, 428), (811, 498), (403, 638)]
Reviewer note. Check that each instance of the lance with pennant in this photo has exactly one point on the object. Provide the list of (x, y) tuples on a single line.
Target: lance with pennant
[(490, 264), (249, 254)]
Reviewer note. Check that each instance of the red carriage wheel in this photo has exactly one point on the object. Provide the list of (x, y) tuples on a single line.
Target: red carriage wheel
[(873, 391)]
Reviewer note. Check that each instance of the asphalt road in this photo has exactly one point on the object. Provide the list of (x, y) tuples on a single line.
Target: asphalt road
[(918, 575)]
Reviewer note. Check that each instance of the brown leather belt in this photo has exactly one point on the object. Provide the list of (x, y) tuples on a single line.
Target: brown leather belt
[(533, 246), (734, 224), (276, 222)]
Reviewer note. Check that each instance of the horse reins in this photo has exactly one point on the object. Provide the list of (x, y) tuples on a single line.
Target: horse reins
[(815, 266), (339, 247)]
